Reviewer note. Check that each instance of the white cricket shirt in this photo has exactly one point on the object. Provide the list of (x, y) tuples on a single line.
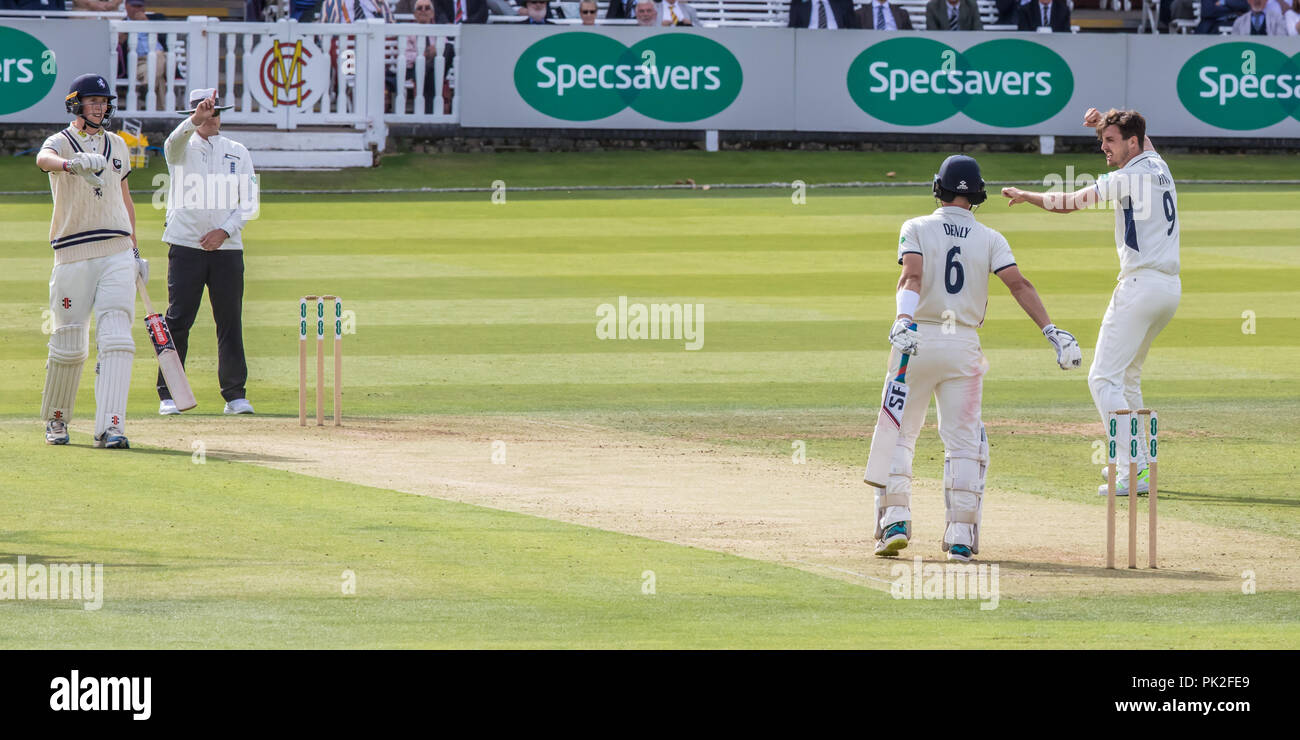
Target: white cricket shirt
[(958, 255), (1146, 214)]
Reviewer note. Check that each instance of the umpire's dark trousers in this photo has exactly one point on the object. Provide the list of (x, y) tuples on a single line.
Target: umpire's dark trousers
[(222, 271)]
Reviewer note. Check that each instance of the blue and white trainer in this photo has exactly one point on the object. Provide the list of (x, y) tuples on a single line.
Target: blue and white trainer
[(959, 552), (895, 539), (112, 439), (56, 432)]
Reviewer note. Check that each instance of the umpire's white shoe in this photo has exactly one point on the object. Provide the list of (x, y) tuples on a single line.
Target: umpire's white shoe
[(167, 407), (56, 432), (238, 406), (112, 439)]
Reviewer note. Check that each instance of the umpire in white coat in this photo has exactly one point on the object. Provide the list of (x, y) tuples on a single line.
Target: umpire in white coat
[(204, 222)]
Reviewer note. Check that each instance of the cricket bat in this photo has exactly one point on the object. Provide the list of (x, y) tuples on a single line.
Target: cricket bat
[(168, 360), (888, 424)]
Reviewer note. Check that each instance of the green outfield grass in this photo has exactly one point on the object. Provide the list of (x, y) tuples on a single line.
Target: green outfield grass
[(463, 306)]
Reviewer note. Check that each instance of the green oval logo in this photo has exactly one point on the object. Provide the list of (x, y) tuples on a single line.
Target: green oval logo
[(1240, 86), (896, 81), (686, 77), (1012, 82), (560, 76), (27, 71), (578, 76), (917, 81)]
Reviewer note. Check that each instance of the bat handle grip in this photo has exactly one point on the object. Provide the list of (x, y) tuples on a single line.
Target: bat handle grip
[(902, 364), (144, 294)]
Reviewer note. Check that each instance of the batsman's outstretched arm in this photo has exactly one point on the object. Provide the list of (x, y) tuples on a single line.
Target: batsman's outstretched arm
[(1025, 294)]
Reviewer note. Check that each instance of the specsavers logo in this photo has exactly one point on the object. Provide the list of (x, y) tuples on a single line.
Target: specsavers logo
[(920, 81), (669, 77), (1240, 86), (27, 70)]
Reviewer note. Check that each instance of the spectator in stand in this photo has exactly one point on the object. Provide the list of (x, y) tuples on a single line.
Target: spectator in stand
[(135, 11), (460, 11), (1264, 19), (551, 11), (677, 13), (953, 15), (646, 13), (822, 14), (102, 6), (1217, 12), (587, 10), (880, 15), (417, 48), (1053, 14), (1292, 19), (351, 11), (538, 12), (619, 9), (1009, 12), (303, 11)]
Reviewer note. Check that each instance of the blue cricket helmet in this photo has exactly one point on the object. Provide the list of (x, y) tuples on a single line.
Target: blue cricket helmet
[(84, 87), (960, 175)]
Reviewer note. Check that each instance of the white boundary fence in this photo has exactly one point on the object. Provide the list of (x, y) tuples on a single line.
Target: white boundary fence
[(289, 74)]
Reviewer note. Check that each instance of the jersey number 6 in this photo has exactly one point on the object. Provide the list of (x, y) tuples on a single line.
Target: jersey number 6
[(953, 275)]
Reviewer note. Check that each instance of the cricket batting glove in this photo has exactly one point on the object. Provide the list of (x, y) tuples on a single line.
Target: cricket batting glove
[(1068, 354), (86, 164), (906, 339)]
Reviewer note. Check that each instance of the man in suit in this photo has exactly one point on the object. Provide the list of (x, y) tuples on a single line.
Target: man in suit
[(1215, 12), (460, 11), (822, 14), (1264, 19), (953, 15), (677, 13), (1054, 14), (880, 15), (621, 9), (1008, 12)]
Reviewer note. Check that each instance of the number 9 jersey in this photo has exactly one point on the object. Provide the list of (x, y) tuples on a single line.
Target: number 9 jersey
[(958, 255), (1146, 214)]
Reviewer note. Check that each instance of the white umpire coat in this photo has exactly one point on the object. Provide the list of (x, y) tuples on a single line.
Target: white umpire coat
[(197, 200)]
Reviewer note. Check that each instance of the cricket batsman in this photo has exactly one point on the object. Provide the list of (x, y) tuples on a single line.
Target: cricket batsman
[(947, 258), (92, 233), (1142, 192)]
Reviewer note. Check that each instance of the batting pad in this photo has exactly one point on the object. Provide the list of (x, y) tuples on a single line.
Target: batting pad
[(113, 373), (68, 350)]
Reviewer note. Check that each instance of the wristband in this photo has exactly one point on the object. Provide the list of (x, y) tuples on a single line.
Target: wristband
[(907, 300), (65, 166)]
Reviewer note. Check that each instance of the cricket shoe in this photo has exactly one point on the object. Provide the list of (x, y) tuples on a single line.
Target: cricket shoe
[(167, 407), (1121, 485), (112, 439), (895, 539), (56, 432), (238, 406), (959, 552)]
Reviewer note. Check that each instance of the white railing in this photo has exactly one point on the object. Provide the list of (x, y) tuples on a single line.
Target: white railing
[(289, 74)]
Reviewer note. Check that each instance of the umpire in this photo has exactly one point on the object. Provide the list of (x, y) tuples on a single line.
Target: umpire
[(212, 194)]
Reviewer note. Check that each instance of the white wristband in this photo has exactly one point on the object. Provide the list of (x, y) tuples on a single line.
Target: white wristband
[(907, 301)]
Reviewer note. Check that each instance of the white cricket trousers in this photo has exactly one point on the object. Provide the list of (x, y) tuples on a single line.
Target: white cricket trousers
[(1142, 305), (951, 368)]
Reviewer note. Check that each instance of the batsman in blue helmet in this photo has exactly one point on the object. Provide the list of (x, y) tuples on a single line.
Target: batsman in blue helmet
[(947, 258)]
